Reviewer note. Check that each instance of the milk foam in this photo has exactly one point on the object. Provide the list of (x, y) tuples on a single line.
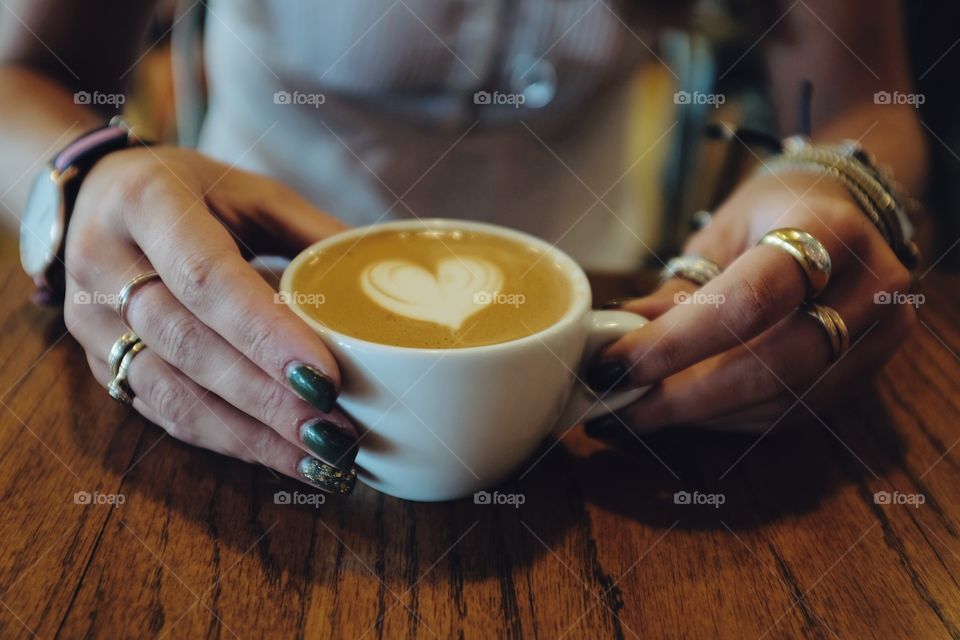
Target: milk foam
[(459, 288)]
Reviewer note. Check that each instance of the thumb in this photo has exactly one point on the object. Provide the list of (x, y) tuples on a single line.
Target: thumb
[(303, 224), (290, 223)]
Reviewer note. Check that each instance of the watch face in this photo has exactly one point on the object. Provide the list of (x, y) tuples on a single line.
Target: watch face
[(41, 228)]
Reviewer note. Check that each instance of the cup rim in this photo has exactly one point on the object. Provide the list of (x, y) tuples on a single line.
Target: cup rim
[(580, 285)]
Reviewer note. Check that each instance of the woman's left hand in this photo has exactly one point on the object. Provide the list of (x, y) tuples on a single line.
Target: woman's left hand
[(736, 353)]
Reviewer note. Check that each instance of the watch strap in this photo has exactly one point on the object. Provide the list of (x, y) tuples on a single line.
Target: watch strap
[(82, 153), (91, 146)]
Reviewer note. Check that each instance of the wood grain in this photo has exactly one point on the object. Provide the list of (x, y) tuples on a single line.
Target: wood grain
[(799, 549)]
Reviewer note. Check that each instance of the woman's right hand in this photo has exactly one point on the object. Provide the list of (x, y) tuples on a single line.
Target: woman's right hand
[(226, 367)]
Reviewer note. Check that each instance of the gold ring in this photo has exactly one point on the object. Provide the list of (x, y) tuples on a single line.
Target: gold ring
[(832, 324), (124, 298), (119, 389), (696, 269), (809, 253), (119, 349)]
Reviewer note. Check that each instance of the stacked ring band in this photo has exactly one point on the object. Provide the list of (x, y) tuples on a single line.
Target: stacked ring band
[(122, 353), (124, 297), (696, 269), (119, 348), (809, 253), (832, 324)]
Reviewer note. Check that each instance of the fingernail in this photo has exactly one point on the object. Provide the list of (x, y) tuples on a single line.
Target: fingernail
[(326, 477), (608, 375), (603, 428), (616, 303), (330, 443), (312, 386)]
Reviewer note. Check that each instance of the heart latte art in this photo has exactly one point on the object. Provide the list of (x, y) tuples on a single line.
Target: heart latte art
[(457, 289), (433, 288)]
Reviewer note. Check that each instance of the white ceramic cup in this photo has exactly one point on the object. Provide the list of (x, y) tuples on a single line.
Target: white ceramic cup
[(444, 423)]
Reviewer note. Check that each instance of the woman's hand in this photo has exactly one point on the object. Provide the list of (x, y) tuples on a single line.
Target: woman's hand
[(224, 358), (736, 353)]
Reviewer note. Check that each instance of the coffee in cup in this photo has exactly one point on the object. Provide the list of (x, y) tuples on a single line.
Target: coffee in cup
[(433, 288)]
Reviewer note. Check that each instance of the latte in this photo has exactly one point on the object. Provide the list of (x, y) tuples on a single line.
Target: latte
[(433, 288)]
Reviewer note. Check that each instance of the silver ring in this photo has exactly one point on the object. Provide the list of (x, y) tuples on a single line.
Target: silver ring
[(696, 269), (124, 298)]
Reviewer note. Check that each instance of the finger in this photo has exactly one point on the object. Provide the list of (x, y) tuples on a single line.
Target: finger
[(752, 294), (200, 264), (774, 369), (190, 414), (838, 382), (294, 223), (753, 372), (180, 339)]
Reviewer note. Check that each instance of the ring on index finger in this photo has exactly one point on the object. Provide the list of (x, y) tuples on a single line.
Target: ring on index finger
[(809, 253)]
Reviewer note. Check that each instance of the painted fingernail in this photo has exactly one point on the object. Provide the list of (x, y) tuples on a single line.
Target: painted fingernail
[(326, 477), (608, 375), (603, 428), (330, 443), (312, 386), (616, 303)]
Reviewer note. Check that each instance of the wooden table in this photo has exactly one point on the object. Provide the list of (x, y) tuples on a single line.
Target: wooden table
[(198, 547)]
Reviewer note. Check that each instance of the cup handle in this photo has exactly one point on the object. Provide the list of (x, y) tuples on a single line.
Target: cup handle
[(606, 327)]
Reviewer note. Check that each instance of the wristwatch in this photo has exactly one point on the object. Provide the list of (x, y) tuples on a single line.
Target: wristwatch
[(43, 227)]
